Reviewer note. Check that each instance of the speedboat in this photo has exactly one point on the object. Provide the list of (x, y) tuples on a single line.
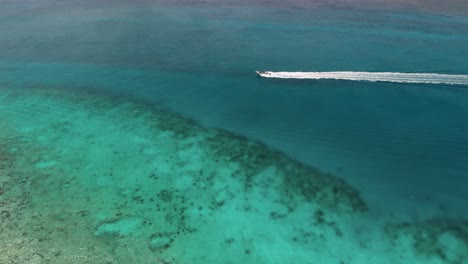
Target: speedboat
[(262, 73)]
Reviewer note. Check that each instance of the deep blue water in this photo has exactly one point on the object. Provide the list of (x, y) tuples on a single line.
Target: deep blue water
[(405, 146)]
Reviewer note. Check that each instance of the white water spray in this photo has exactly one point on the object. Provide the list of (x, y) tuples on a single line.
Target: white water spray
[(398, 77)]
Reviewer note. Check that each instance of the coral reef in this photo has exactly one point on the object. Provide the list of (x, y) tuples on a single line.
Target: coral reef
[(442, 239), (91, 178)]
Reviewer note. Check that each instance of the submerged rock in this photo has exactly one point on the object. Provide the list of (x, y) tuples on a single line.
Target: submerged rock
[(160, 241)]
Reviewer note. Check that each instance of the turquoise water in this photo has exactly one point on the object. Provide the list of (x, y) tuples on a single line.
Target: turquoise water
[(404, 147)]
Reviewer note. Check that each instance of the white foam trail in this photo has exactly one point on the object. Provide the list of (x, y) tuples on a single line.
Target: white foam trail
[(398, 77)]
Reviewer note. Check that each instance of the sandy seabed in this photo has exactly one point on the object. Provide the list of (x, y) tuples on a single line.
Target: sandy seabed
[(91, 178)]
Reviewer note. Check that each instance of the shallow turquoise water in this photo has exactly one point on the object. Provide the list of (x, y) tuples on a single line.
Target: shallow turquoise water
[(404, 146)]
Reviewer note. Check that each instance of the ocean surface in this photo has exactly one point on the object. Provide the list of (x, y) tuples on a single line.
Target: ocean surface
[(115, 113)]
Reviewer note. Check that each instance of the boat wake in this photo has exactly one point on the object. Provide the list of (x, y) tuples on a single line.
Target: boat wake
[(398, 77)]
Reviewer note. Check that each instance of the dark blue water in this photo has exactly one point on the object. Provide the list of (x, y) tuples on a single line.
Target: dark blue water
[(405, 146)]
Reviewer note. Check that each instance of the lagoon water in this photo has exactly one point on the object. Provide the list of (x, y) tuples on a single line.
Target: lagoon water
[(140, 133)]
